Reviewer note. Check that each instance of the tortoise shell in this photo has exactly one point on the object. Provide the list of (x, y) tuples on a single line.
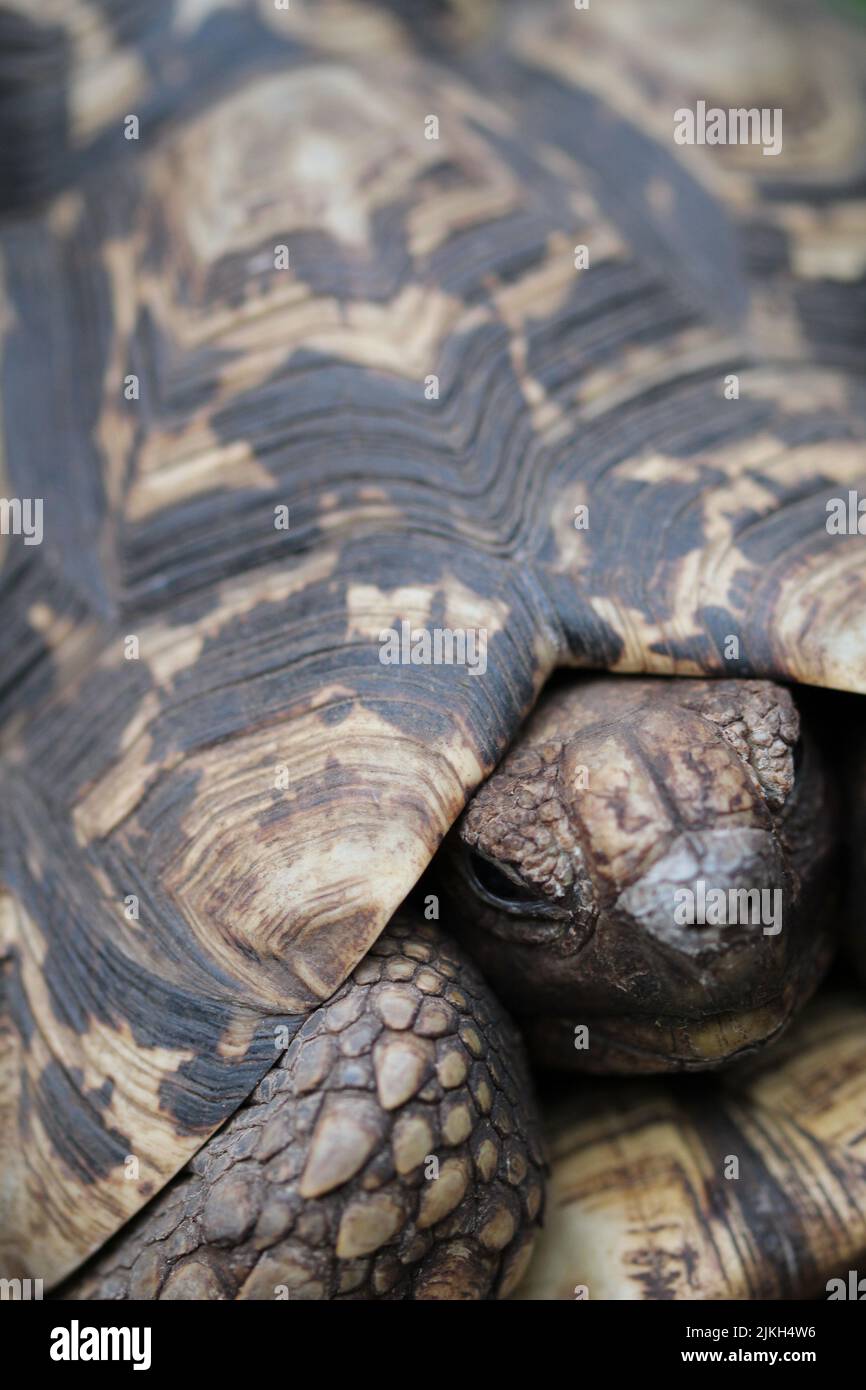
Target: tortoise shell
[(319, 337)]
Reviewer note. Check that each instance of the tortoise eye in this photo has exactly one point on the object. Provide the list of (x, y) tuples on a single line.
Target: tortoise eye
[(498, 887)]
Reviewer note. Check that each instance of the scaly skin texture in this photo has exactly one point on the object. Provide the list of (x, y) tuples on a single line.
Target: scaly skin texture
[(564, 869), (316, 1188)]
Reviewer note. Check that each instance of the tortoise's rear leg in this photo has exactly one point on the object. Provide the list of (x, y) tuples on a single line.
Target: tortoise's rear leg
[(392, 1153)]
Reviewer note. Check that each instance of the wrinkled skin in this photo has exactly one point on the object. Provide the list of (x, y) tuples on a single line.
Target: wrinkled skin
[(320, 1186), (564, 867)]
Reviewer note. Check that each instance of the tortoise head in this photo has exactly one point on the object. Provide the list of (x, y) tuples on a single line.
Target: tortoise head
[(635, 879)]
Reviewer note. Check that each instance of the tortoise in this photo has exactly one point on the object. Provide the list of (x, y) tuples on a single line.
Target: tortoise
[(368, 372)]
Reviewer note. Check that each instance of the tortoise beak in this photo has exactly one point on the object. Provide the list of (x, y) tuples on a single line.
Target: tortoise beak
[(711, 892)]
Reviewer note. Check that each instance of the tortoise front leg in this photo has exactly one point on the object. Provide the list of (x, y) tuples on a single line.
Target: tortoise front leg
[(391, 1153)]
